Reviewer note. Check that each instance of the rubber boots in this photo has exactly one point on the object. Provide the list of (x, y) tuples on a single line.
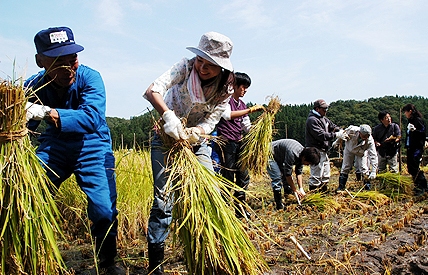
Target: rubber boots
[(156, 258), (240, 211), (358, 175), (278, 199), (367, 185), (343, 178), (106, 250)]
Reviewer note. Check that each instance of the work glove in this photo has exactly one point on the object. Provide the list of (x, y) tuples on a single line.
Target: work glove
[(302, 191), (411, 127), (36, 111), (342, 135), (193, 134), (256, 108), (372, 175), (173, 126)]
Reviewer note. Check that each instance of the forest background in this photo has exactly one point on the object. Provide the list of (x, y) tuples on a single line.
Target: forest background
[(289, 121)]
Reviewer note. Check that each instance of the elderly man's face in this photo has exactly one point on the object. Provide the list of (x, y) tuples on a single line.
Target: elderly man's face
[(62, 70), (364, 136), (322, 111)]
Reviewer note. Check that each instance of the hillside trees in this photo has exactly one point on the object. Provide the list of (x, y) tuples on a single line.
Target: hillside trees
[(289, 122)]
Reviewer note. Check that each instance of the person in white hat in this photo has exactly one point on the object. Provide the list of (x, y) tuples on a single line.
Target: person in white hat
[(197, 89), (359, 146)]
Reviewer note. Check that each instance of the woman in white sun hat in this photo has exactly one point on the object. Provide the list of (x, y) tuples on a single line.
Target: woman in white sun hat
[(197, 89)]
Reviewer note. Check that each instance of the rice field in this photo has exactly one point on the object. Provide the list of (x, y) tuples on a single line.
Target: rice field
[(382, 231)]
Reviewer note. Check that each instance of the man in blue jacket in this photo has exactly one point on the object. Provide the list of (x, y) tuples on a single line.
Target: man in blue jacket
[(71, 99)]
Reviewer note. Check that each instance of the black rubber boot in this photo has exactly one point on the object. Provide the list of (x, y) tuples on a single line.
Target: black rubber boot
[(343, 178), (367, 185), (107, 251), (240, 211), (156, 258), (278, 199), (358, 176)]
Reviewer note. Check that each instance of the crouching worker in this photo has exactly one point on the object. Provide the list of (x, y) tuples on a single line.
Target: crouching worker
[(71, 99), (286, 154), (359, 146)]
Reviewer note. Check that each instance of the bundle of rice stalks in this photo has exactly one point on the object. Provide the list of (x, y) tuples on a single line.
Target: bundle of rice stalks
[(27, 214), (257, 143), (377, 198), (213, 238), (320, 201), (395, 185)]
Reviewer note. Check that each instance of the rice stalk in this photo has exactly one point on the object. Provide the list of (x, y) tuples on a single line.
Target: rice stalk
[(135, 192), (257, 143), (395, 185), (377, 198), (29, 229), (214, 240), (320, 201)]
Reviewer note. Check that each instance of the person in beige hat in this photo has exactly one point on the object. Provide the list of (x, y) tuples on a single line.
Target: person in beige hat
[(197, 89)]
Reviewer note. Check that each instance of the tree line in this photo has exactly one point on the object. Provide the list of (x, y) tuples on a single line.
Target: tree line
[(289, 121)]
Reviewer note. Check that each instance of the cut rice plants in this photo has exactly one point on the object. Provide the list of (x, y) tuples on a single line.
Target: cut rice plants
[(214, 240), (29, 229), (395, 185), (257, 143)]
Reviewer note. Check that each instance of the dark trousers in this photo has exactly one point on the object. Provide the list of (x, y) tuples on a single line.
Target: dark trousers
[(229, 156), (413, 162)]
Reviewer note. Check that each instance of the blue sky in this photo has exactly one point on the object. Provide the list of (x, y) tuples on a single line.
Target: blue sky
[(297, 50)]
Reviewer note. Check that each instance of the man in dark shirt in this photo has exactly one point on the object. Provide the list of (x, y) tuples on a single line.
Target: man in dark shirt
[(387, 135)]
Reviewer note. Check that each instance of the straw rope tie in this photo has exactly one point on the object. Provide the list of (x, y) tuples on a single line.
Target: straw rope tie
[(13, 135)]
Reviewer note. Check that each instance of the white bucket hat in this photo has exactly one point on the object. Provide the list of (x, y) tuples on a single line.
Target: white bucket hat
[(216, 48)]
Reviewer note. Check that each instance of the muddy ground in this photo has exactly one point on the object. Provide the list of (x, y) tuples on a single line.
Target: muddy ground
[(356, 236)]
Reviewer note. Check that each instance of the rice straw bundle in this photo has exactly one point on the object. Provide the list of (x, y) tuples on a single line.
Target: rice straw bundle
[(377, 198), (257, 143), (395, 185), (28, 211), (213, 238), (320, 201)]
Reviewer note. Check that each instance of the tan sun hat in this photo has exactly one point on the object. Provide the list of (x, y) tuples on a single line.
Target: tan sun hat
[(216, 48)]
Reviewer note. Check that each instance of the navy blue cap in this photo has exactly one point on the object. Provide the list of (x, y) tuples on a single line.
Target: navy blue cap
[(57, 41)]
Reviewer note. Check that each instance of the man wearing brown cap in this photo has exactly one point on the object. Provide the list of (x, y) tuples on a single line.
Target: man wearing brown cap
[(319, 132)]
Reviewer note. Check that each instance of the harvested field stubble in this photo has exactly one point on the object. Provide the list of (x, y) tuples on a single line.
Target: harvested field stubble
[(349, 233)]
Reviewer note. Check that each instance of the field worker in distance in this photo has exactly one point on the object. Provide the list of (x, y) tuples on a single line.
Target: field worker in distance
[(359, 146), (319, 132), (71, 98), (387, 135), (286, 154), (197, 89), (415, 141), (233, 124)]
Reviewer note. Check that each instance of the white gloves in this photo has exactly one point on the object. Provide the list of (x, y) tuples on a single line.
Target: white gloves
[(193, 134), (411, 127), (36, 111), (302, 191), (173, 126), (342, 135), (372, 175)]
